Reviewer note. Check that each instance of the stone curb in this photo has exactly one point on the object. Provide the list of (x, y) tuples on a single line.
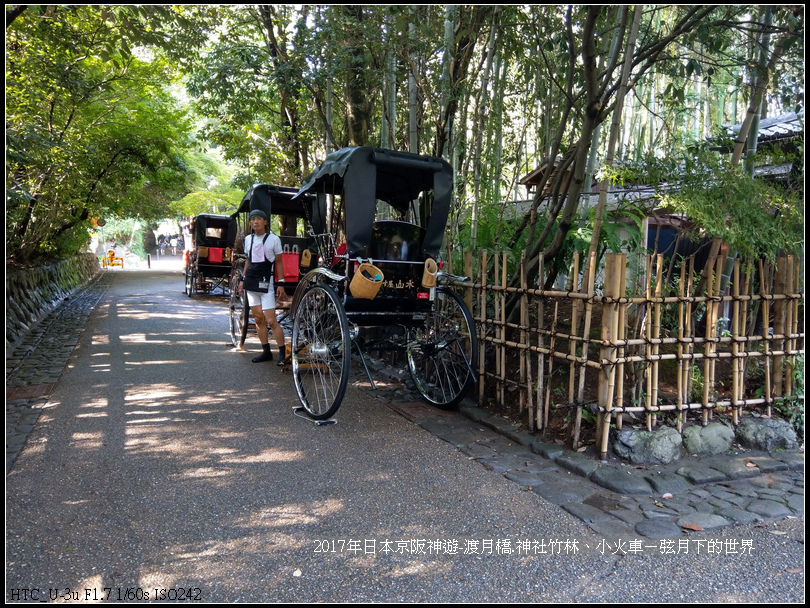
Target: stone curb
[(617, 499)]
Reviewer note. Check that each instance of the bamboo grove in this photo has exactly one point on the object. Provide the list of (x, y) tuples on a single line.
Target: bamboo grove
[(96, 124)]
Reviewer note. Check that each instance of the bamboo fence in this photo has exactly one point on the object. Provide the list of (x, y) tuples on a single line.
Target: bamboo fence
[(620, 339)]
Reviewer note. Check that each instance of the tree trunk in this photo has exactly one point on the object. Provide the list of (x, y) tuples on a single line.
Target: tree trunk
[(288, 91), (358, 85), (614, 133), (413, 102)]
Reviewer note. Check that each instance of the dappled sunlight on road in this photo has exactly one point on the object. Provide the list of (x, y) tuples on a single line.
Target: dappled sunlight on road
[(206, 472), (165, 362), (290, 514), (155, 391), (87, 441), (267, 456)]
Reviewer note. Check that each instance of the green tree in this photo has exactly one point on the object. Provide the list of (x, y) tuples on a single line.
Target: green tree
[(91, 129)]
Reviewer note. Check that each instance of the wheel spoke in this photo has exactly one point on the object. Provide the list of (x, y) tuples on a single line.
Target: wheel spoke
[(237, 313), (321, 351), (442, 356)]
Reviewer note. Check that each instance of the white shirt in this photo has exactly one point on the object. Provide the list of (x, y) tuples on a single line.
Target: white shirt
[(264, 251)]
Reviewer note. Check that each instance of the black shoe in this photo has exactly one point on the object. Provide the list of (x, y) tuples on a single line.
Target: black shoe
[(265, 356)]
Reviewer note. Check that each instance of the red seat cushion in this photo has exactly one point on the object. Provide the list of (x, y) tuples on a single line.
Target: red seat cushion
[(215, 255)]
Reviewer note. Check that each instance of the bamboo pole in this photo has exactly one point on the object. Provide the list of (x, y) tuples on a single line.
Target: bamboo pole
[(656, 332), (502, 322), (792, 324), (524, 321), (577, 421), (621, 333), (550, 293), (766, 343), (541, 309), (744, 337), (736, 361), (525, 357), (647, 341), (707, 347), (681, 397), (498, 328), (789, 362), (781, 280), (468, 271), (586, 332), (482, 343), (693, 356), (668, 407), (551, 362), (712, 381), (610, 322)]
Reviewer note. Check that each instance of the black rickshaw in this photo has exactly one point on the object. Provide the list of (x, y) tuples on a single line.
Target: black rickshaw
[(208, 260), (293, 221), (386, 275)]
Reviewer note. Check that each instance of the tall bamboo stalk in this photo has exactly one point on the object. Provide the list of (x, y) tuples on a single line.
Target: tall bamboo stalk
[(481, 109)]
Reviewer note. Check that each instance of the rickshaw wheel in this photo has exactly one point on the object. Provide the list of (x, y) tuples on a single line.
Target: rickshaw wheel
[(238, 313), (321, 352), (443, 353), (189, 291)]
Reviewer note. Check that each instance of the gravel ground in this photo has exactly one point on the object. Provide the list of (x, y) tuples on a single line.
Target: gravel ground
[(166, 464)]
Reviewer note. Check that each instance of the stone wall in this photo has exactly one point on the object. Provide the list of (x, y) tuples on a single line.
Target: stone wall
[(33, 292)]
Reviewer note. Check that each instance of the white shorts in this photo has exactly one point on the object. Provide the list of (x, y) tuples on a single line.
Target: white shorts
[(266, 300)]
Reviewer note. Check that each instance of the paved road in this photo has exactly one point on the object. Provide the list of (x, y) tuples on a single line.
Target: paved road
[(164, 461)]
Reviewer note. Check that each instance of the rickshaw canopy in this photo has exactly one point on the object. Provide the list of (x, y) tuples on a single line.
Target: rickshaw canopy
[(214, 230), (364, 175), (279, 200)]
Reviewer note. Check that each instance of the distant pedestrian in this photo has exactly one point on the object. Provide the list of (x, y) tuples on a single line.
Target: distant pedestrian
[(173, 244)]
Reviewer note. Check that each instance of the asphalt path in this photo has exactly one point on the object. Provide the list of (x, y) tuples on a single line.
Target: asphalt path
[(167, 465)]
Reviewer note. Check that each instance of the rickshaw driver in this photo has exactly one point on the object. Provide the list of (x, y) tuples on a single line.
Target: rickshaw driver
[(265, 246)]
